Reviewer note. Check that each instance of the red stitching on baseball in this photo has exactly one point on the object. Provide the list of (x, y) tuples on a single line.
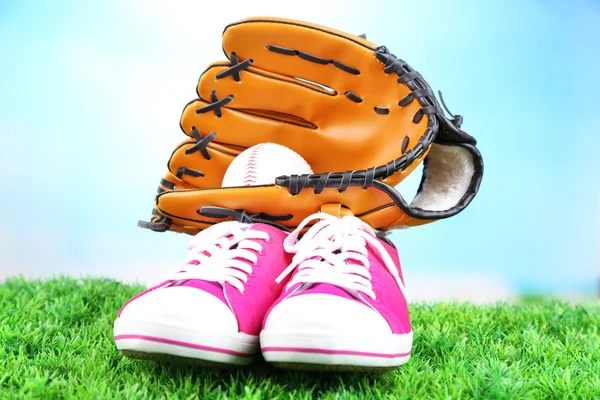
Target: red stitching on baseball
[(250, 173)]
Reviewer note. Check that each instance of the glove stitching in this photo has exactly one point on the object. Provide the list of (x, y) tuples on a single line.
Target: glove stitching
[(405, 142), (188, 171), (167, 184), (354, 97), (216, 104), (244, 217), (201, 143), (235, 69), (312, 58)]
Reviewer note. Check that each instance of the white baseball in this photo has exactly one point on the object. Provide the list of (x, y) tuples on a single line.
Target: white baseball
[(261, 164)]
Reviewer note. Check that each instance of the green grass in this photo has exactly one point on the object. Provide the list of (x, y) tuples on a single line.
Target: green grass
[(56, 342)]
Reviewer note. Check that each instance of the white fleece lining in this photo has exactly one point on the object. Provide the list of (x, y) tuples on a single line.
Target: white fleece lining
[(448, 176)]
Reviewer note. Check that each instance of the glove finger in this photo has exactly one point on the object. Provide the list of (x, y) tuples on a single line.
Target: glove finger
[(316, 53), (242, 128), (201, 168), (261, 90), (351, 143)]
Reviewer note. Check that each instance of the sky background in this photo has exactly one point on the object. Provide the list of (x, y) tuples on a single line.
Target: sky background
[(91, 94)]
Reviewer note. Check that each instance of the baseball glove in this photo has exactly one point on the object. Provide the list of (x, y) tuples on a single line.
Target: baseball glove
[(362, 118)]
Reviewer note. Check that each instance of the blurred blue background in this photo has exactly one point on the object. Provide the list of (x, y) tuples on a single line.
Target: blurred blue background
[(91, 94)]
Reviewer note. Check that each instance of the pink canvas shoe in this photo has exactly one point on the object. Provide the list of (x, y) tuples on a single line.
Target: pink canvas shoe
[(211, 310), (345, 306)]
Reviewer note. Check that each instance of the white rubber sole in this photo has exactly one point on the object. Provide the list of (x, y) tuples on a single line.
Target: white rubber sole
[(162, 340), (318, 350)]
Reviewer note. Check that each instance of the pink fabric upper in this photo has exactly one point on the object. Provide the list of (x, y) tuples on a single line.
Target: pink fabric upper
[(261, 290), (389, 301)]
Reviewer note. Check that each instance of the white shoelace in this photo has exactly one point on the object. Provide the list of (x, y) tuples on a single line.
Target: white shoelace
[(322, 254), (223, 253)]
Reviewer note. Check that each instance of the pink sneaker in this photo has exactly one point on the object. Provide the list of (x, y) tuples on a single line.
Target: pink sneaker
[(345, 307), (211, 310)]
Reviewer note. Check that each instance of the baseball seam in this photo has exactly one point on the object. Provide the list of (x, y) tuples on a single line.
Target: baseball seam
[(251, 173)]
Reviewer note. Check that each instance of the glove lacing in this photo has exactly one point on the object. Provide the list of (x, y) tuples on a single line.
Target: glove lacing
[(216, 105)]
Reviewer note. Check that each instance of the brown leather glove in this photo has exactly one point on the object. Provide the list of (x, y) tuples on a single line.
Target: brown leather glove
[(362, 118)]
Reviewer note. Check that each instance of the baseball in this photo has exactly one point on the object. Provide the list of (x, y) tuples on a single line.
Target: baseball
[(261, 164)]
